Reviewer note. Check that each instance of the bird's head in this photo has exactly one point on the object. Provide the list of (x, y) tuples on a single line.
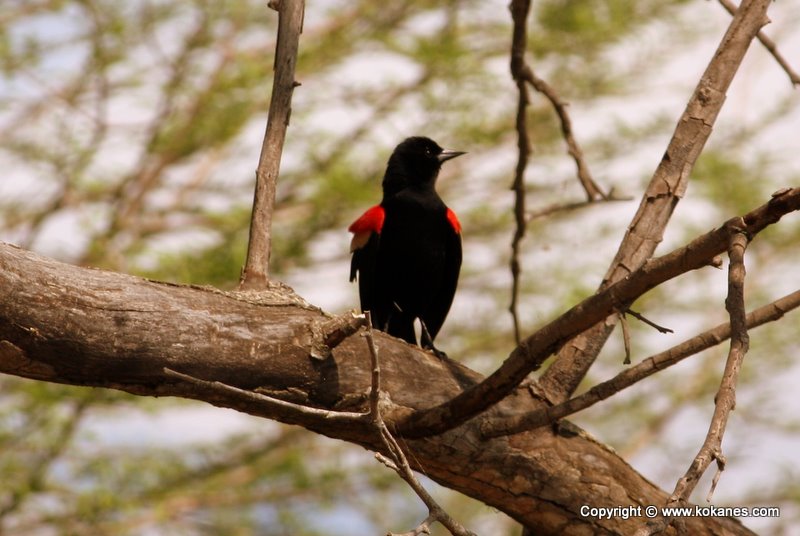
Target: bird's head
[(417, 160)]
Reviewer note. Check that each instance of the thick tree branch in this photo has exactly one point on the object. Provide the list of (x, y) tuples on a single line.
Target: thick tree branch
[(290, 24), (534, 350), (666, 188), (398, 461), (81, 326)]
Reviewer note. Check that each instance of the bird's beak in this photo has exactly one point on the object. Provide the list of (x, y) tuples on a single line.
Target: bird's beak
[(449, 155)]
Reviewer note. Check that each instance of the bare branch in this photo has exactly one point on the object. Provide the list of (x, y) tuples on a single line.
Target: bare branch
[(666, 188), (593, 191), (528, 421), (725, 401), (769, 44), (564, 207), (519, 15), (726, 396), (524, 75), (290, 24), (375, 376), (534, 350), (626, 338), (401, 466), (62, 323), (330, 334)]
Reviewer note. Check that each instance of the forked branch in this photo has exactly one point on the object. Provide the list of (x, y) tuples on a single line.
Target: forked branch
[(397, 460), (666, 188), (725, 400)]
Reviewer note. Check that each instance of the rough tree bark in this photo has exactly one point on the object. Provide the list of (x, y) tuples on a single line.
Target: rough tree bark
[(66, 324)]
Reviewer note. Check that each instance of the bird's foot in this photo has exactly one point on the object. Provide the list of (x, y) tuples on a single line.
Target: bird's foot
[(435, 351)]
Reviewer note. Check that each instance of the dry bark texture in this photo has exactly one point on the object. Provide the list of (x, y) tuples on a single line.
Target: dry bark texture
[(82, 326)]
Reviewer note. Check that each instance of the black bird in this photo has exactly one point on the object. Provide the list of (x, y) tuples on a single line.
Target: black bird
[(407, 250)]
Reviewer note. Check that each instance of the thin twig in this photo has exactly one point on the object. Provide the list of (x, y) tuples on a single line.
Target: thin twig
[(575, 205), (769, 44), (298, 411), (641, 318), (397, 460), (290, 24), (375, 381), (725, 401), (593, 191), (524, 75), (541, 417)]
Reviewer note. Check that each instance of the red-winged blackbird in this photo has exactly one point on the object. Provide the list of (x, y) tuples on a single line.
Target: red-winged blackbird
[(407, 250)]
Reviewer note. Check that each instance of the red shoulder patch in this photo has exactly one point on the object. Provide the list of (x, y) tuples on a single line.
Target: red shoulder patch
[(453, 219), (369, 222)]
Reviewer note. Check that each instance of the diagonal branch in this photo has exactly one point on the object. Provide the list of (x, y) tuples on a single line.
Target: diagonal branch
[(666, 188), (528, 421), (534, 350), (593, 191), (290, 25)]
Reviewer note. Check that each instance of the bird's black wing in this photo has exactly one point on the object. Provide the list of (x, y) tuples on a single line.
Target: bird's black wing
[(441, 302)]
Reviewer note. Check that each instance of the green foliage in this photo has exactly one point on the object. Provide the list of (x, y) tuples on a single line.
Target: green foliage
[(731, 184)]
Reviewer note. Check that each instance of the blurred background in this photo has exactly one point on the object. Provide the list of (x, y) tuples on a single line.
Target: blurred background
[(129, 137)]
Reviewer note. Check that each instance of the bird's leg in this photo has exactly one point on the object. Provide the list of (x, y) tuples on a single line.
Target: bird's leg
[(427, 341)]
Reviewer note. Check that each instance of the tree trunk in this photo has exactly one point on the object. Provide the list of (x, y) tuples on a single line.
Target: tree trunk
[(80, 326)]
